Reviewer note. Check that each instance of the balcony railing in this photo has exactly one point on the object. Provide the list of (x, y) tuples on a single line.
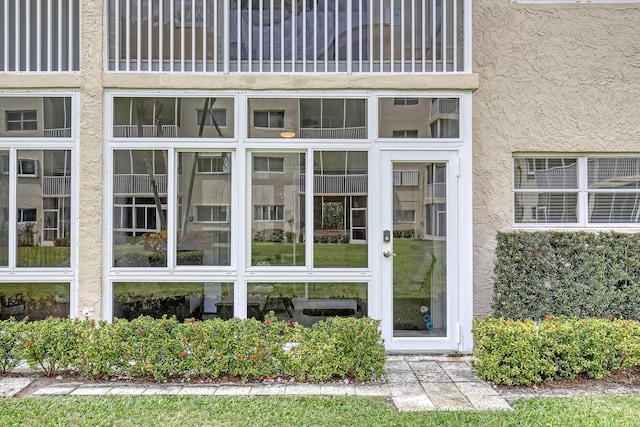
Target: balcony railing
[(139, 184), (284, 36), (333, 133), (56, 185), (437, 190), (39, 35), (57, 133), (445, 108), (338, 184), (148, 131)]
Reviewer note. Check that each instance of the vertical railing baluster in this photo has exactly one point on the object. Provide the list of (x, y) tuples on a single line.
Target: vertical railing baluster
[(139, 36), (423, 46), (172, 15), (443, 44), (127, 32), (161, 35), (38, 36), (27, 15), (16, 33), (205, 12), (149, 34), (434, 34), (183, 42), (282, 43), (60, 38), (455, 36)]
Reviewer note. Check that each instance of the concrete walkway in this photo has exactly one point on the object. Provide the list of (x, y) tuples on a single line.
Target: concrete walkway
[(414, 383)]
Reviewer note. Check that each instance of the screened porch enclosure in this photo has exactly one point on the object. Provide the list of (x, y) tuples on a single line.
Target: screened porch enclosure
[(274, 36)]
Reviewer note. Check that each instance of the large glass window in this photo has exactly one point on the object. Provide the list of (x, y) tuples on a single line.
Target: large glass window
[(29, 117), (278, 200), (419, 118), (340, 208), (164, 117), (307, 303), (203, 229), (184, 300), (577, 190), (35, 301), (307, 118)]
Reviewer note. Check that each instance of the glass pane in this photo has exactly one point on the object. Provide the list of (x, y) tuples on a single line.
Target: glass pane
[(340, 209), (614, 173), (29, 116), (4, 208), (307, 118), (614, 207), (307, 303), (419, 118), (140, 204), (173, 117), (43, 203), (202, 301), (420, 243), (37, 301), (545, 173), (204, 228), (534, 207), (277, 199)]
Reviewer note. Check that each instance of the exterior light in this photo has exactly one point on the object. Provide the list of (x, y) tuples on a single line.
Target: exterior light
[(287, 134)]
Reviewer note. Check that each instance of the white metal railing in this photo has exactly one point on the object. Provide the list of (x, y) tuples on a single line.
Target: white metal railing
[(148, 131), (339, 184), (437, 190), (57, 133), (272, 36), (139, 184), (38, 35), (405, 178), (332, 133), (449, 107), (56, 185), (602, 171)]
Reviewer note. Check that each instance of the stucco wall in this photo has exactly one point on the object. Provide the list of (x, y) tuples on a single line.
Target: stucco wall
[(553, 78)]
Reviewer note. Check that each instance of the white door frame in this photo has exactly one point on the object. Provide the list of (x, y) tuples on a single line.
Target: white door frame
[(458, 290)]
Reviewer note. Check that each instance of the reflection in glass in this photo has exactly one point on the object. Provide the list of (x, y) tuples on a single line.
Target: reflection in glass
[(307, 303), (201, 301), (614, 189), (140, 208), (541, 190), (277, 203), (173, 117), (317, 118), (419, 242), (48, 117), (419, 118), (204, 208), (4, 208), (43, 220), (340, 209), (35, 301)]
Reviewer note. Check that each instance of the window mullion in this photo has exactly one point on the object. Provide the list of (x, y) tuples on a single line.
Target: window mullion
[(13, 208), (583, 193)]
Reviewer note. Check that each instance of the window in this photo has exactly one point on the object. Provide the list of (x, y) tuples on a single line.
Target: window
[(218, 213), (22, 120), (585, 190), (269, 119), (216, 117), (406, 101), (211, 164), (28, 167), (26, 215), (268, 164), (405, 178), (269, 212), (404, 216), (405, 133)]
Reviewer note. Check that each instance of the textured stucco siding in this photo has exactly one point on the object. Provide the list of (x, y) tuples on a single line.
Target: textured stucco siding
[(553, 78)]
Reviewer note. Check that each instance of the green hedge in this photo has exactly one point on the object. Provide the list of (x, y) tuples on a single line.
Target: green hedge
[(165, 348), (522, 352), (570, 274)]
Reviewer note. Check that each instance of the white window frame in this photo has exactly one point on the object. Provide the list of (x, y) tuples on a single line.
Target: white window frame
[(211, 171), (399, 216), (225, 210), (208, 122), (21, 214), (270, 210), (269, 169), (406, 102), (34, 168), (405, 133), (583, 191), (22, 121), (269, 113)]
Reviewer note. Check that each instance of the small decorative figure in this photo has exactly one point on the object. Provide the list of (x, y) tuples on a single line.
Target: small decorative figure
[(426, 317)]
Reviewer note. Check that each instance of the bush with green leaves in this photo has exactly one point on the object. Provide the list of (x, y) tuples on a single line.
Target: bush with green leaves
[(579, 274), (165, 348), (523, 352)]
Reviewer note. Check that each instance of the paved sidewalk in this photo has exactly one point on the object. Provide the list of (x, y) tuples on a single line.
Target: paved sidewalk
[(414, 383)]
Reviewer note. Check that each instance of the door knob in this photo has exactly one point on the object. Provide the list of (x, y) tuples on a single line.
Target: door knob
[(387, 254)]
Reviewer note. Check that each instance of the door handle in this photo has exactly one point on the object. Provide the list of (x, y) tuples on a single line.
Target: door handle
[(387, 254)]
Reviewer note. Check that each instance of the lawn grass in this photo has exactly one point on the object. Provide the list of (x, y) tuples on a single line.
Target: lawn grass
[(184, 411)]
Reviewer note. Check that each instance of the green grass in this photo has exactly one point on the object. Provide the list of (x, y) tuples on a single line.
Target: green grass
[(43, 256), (187, 411)]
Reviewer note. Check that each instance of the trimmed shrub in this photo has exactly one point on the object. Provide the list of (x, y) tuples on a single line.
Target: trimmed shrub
[(523, 352), (164, 348), (579, 274)]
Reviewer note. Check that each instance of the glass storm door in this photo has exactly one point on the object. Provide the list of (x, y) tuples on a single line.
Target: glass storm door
[(419, 291)]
